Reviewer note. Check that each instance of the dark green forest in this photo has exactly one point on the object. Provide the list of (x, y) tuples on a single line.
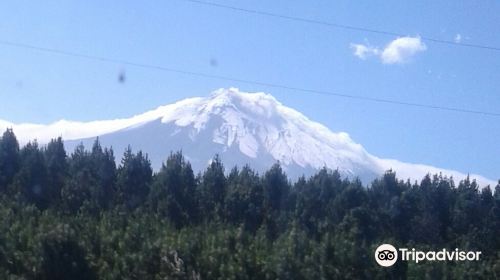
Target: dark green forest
[(78, 215)]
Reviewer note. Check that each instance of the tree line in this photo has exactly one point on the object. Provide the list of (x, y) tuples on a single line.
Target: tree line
[(80, 216)]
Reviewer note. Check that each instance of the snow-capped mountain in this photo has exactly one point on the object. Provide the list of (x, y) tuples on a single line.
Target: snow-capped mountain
[(242, 128)]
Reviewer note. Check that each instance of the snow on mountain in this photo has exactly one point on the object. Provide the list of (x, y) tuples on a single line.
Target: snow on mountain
[(251, 128)]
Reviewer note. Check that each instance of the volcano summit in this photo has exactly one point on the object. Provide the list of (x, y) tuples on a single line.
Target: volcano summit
[(243, 128)]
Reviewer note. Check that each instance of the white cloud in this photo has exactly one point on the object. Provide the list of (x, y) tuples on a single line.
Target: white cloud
[(458, 38), (72, 130), (400, 50), (414, 171), (363, 51)]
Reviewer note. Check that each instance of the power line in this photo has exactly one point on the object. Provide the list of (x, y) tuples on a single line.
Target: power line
[(337, 25), (233, 79)]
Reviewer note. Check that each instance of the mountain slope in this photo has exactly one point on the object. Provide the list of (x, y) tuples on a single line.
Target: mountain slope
[(251, 128)]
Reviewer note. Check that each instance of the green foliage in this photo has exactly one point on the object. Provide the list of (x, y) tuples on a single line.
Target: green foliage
[(245, 198), (62, 256), (104, 171), (32, 179), (76, 191), (81, 217), (213, 190), (9, 158), (57, 169), (134, 179), (276, 188), (172, 193)]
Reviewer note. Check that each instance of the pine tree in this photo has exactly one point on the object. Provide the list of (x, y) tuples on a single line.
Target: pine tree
[(76, 192), (104, 170), (276, 188), (173, 191), (276, 191), (244, 199), (57, 168), (32, 180), (134, 179), (213, 189), (9, 158)]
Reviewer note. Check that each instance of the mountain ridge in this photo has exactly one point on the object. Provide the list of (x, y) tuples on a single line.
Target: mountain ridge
[(244, 128)]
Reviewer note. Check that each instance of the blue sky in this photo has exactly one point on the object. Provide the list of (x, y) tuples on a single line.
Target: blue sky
[(42, 87)]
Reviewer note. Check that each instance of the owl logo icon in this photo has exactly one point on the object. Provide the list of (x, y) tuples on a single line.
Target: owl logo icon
[(386, 255)]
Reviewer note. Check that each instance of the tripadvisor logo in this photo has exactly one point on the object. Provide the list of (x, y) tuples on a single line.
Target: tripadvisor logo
[(386, 255)]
